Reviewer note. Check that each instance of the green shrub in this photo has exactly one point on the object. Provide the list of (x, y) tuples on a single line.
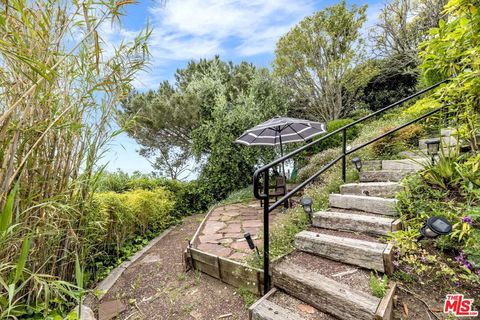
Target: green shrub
[(336, 140), (239, 196), (316, 162), (151, 210), (113, 181), (118, 224), (190, 197), (448, 189), (398, 141)]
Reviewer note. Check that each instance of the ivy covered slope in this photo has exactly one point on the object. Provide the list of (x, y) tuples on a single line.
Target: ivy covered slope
[(451, 187)]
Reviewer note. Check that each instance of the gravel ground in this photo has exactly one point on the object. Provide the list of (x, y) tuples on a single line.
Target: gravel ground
[(304, 310), (355, 277), (156, 286), (346, 234)]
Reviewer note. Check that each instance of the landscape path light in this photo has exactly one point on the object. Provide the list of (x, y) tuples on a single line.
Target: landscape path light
[(307, 203), (434, 227), (433, 147), (250, 242), (358, 163)]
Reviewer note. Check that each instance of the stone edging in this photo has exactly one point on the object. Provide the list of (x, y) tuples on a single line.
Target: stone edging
[(106, 284), (192, 241)]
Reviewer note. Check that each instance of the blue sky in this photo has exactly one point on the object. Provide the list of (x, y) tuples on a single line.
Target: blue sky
[(192, 29)]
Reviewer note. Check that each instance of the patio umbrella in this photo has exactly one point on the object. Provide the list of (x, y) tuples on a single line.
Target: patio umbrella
[(281, 130)]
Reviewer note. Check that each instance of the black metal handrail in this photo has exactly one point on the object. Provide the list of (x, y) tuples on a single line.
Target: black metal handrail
[(267, 208)]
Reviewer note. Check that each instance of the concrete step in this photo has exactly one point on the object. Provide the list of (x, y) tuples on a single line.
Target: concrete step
[(364, 203), (354, 251), (405, 164), (447, 141), (384, 175), (446, 132), (415, 154), (331, 287), (371, 224), (373, 189), (278, 305), (267, 310)]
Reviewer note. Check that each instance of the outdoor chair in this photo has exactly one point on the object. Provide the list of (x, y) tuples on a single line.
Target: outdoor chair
[(278, 191)]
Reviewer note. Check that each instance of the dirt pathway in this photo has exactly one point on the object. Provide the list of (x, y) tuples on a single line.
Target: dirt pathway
[(156, 286)]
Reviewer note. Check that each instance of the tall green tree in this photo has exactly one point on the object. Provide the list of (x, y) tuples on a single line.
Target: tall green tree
[(401, 27), (314, 58), (453, 50), (211, 103)]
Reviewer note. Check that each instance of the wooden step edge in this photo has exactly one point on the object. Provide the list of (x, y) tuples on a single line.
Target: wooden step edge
[(362, 253), (385, 307), (324, 293), (376, 225), (388, 259), (397, 225), (260, 301), (378, 205), (269, 310), (372, 189)]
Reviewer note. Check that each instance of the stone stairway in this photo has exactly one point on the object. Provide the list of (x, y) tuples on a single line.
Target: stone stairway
[(329, 273)]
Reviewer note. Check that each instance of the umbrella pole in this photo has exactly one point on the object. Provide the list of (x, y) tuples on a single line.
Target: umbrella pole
[(281, 154), (285, 204)]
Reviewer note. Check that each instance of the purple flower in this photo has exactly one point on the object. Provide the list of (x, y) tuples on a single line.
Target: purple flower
[(462, 260), (396, 264), (407, 269), (423, 259), (467, 219), (396, 252), (478, 272)]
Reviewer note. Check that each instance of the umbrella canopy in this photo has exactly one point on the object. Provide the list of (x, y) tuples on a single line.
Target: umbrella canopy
[(280, 130)]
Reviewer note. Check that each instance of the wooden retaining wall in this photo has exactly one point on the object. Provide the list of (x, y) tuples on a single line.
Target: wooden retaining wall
[(228, 271)]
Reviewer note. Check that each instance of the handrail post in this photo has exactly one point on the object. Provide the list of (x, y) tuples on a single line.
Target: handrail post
[(266, 240), (344, 156)]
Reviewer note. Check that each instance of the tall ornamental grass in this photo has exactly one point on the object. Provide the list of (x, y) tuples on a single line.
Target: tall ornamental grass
[(59, 91)]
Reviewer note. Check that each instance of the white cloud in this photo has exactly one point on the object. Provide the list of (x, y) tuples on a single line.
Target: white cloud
[(192, 29)]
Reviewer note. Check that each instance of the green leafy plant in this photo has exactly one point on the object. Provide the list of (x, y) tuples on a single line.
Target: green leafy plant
[(448, 52), (249, 297), (442, 189), (398, 141), (378, 285), (239, 196), (335, 140)]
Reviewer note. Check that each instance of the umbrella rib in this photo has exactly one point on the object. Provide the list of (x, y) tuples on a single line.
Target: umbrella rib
[(297, 133), (260, 134)]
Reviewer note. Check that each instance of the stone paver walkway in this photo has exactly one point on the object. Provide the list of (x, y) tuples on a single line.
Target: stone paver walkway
[(223, 231)]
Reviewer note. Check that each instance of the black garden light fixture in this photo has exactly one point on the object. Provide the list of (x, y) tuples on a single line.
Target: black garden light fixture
[(358, 163), (249, 239), (306, 204), (433, 146), (434, 227)]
